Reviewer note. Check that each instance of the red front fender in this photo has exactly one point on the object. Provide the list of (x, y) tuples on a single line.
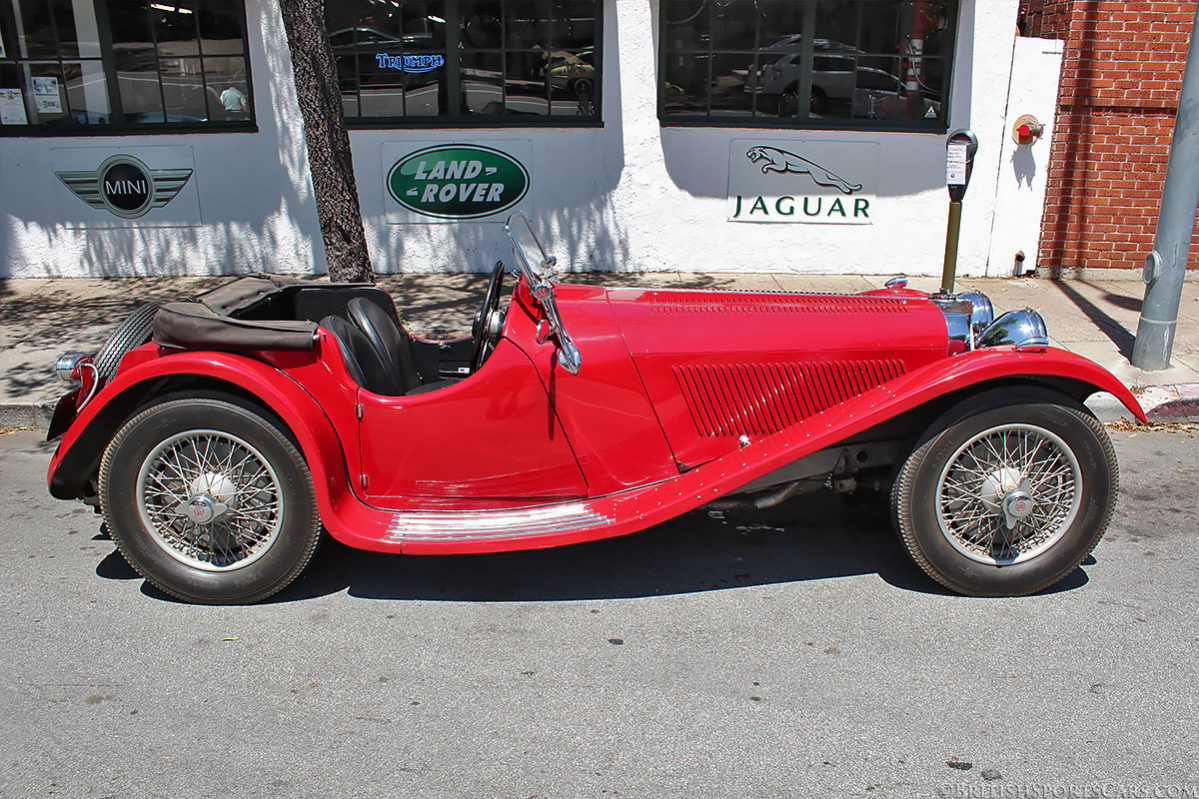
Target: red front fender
[(1050, 365)]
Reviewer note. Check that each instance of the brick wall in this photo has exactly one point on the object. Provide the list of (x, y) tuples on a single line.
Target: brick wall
[(1121, 74)]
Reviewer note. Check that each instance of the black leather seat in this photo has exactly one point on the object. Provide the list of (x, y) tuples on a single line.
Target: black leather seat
[(389, 339), (363, 360)]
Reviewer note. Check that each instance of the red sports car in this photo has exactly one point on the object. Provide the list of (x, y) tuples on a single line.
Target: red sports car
[(219, 436)]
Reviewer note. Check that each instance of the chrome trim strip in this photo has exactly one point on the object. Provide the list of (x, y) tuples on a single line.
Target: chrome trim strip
[(493, 524)]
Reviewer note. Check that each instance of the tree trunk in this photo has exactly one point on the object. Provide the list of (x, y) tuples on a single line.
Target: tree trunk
[(328, 141)]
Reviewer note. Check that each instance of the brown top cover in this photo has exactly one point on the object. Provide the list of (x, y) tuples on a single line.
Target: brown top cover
[(205, 323)]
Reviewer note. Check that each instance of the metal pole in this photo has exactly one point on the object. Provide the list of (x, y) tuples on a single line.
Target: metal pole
[(1166, 266), (949, 271)]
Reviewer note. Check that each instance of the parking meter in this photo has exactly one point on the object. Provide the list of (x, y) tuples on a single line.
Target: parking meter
[(960, 148)]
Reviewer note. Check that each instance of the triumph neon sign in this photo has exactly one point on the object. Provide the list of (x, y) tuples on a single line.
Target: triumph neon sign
[(410, 63)]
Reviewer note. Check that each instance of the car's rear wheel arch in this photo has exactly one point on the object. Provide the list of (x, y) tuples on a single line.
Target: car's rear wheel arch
[(76, 476)]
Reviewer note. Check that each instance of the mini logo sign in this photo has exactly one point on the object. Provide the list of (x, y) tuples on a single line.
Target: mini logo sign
[(410, 63), (125, 186), (458, 181)]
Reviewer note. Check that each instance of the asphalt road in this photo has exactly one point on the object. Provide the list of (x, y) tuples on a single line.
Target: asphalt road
[(744, 657)]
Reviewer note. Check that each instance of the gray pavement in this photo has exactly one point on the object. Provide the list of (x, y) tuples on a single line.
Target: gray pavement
[(42, 318), (750, 656)]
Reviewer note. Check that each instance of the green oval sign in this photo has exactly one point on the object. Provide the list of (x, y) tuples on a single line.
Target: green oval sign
[(458, 181)]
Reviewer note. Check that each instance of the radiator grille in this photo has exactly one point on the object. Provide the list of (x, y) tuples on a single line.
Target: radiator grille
[(732, 302), (763, 398)]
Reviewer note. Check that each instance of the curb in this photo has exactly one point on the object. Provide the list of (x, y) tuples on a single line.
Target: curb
[(26, 415), (1178, 402)]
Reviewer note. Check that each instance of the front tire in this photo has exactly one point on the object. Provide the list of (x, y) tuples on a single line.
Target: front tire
[(209, 501), (1008, 498)]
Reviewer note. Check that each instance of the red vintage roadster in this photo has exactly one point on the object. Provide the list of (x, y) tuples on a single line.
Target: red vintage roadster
[(219, 436)]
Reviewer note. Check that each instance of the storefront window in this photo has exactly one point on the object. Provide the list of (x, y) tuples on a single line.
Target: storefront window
[(92, 66), (458, 62), (839, 64)]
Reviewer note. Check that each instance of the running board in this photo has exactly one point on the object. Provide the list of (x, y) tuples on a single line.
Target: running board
[(486, 525)]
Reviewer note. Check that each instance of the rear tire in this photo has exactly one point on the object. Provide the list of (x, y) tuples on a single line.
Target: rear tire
[(209, 501), (1006, 500)]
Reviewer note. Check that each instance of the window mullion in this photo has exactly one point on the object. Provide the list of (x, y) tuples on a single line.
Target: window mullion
[(756, 67), (807, 46), (708, 79), (203, 66), (108, 61), (162, 96), (453, 61)]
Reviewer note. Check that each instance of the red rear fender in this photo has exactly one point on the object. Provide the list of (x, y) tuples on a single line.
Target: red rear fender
[(75, 462)]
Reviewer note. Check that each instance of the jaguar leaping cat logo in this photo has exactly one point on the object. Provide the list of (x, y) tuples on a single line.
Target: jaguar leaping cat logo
[(782, 161)]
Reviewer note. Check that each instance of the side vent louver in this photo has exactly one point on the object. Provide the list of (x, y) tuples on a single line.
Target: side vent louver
[(763, 398)]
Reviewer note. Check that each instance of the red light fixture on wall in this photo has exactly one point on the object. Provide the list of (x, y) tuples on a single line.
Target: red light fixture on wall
[(1027, 130)]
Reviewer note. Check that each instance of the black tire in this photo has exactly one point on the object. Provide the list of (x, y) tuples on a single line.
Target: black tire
[(818, 101), (256, 493), (948, 498), (133, 332), (581, 88)]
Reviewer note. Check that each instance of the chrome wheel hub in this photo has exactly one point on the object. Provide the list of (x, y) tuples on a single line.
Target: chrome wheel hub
[(1008, 494), (211, 497), (202, 509), (210, 500)]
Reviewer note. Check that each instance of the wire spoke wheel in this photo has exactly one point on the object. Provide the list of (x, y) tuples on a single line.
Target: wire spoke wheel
[(210, 500), (1008, 494)]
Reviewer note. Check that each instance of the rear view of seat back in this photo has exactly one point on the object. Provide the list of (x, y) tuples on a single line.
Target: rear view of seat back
[(363, 360), (389, 339)]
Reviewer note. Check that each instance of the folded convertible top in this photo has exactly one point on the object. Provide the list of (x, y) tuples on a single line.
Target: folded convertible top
[(210, 321), (195, 325)]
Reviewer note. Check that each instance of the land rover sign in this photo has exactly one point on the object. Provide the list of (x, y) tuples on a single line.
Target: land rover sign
[(458, 181)]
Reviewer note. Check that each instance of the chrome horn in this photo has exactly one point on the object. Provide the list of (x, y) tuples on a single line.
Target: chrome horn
[(982, 313)]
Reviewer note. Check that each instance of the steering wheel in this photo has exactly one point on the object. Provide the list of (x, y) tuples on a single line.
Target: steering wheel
[(484, 339)]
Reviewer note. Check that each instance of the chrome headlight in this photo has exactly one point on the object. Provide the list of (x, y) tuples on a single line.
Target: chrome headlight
[(1025, 328), (69, 367)]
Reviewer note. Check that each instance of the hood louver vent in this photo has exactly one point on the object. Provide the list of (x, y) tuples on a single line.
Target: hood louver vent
[(763, 398), (725, 303)]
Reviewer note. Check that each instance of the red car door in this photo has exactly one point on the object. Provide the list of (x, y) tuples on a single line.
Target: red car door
[(492, 439)]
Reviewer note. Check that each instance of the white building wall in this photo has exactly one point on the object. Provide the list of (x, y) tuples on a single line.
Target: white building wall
[(1024, 169), (255, 193), (630, 195)]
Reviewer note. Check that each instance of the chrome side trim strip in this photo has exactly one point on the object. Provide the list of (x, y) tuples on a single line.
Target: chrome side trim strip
[(482, 525)]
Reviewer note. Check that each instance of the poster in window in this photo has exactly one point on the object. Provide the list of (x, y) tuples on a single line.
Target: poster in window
[(45, 95), (12, 108), (803, 180)]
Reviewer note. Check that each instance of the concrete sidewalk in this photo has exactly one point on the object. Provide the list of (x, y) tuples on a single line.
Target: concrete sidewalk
[(39, 319)]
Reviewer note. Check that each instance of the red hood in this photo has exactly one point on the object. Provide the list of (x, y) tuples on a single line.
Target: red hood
[(719, 365)]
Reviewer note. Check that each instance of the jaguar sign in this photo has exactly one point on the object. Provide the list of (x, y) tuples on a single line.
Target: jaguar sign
[(819, 182), (458, 181)]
